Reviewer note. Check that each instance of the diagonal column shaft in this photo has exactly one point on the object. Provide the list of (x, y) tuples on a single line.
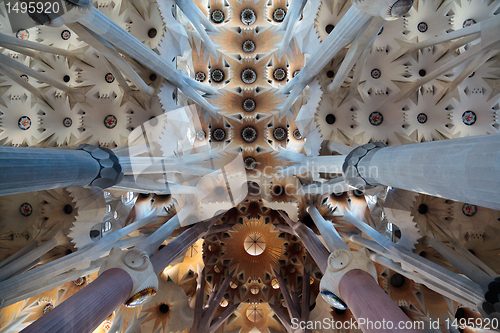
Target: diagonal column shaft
[(9, 41), (101, 25), (288, 24), (7, 71), (178, 246), (106, 49), (399, 254), (312, 243), (345, 31), (151, 243), (34, 73), (363, 42), (87, 309), (21, 263), (23, 251), (459, 262), (368, 302), (327, 230), (84, 311), (200, 22)]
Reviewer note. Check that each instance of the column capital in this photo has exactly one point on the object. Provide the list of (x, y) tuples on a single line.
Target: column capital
[(137, 264), (110, 173), (491, 302), (350, 170), (388, 9), (75, 9), (342, 261)]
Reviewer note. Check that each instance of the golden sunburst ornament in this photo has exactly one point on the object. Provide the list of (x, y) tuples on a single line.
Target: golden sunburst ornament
[(261, 255)]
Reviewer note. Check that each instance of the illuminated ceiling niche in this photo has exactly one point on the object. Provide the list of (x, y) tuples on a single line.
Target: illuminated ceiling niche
[(255, 313), (255, 244)]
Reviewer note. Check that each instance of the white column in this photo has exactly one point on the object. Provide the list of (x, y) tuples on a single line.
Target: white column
[(8, 41), (356, 20), (19, 265), (325, 164), (316, 249), (412, 262), (292, 16), (489, 41), (199, 21), (43, 285), (327, 230), (37, 75), (39, 275), (459, 262), (362, 45), (474, 31), (336, 185), (107, 50), (116, 35), (345, 31), (27, 248), (151, 243), (465, 169), (17, 79), (35, 169)]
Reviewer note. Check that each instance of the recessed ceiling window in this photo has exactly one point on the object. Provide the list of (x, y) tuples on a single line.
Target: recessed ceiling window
[(254, 244)]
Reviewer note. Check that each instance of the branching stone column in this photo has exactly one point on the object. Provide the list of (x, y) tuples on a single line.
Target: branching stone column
[(34, 169), (312, 243), (356, 19), (128, 277), (327, 230), (125, 277), (101, 25), (82, 12), (179, 245), (352, 276), (24, 262), (298, 310), (436, 277), (84, 310), (465, 169), (203, 314)]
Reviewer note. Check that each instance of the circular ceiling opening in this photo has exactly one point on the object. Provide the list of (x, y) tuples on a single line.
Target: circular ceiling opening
[(254, 244), (255, 313), (164, 308)]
